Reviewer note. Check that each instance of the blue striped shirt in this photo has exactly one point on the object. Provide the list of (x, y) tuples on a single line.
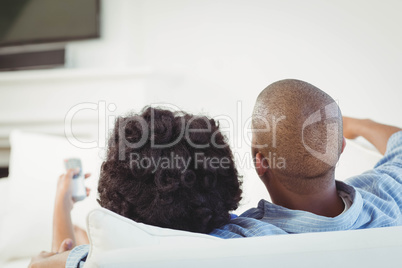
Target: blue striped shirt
[(376, 195)]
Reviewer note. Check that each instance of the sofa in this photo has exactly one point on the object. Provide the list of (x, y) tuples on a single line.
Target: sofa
[(26, 204)]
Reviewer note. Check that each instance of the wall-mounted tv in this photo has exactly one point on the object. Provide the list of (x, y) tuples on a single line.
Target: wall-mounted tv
[(46, 21)]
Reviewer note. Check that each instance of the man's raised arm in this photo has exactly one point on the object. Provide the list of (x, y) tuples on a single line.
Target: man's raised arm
[(376, 133)]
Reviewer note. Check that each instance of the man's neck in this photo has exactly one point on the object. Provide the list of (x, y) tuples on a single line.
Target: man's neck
[(325, 202)]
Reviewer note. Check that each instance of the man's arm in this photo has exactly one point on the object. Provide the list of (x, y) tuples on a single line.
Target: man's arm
[(376, 133)]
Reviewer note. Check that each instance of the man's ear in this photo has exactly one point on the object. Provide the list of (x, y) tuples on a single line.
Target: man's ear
[(343, 144), (261, 164)]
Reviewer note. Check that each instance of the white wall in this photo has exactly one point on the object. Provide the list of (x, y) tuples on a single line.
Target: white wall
[(208, 55), (351, 49), (233, 49)]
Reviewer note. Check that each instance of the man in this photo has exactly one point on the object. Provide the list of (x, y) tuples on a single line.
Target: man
[(298, 123)]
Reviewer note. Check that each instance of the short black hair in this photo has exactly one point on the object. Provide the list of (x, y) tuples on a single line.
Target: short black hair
[(195, 192)]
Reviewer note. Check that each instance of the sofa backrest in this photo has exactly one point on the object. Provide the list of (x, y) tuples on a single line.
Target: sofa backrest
[(120, 242)]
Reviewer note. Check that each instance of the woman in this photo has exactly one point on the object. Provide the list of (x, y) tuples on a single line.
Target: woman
[(163, 168)]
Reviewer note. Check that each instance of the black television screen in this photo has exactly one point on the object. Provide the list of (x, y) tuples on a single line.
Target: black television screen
[(46, 21)]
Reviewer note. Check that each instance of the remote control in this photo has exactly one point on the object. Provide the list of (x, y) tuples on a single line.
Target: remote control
[(78, 187)]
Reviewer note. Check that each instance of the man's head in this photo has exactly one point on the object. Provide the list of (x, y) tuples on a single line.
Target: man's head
[(171, 170), (302, 125)]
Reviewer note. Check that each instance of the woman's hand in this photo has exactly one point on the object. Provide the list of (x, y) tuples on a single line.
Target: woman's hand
[(62, 224), (53, 259), (64, 189)]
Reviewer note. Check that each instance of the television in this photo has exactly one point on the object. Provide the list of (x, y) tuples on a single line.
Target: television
[(26, 23)]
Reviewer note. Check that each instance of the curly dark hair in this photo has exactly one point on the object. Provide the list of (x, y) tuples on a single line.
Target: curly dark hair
[(170, 169)]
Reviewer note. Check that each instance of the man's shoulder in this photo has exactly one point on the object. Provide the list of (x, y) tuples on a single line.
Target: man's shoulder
[(250, 223), (388, 170), (246, 227), (395, 140), (393, 154)]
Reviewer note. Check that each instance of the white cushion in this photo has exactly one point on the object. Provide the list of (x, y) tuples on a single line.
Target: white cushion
[(16, 263), (4, 199), (119, 242), (35, 164), (4, 195), (110, 231)]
